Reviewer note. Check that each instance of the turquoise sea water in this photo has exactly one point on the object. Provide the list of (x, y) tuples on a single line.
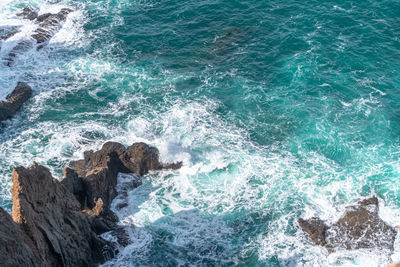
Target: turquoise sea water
[(278, 109)]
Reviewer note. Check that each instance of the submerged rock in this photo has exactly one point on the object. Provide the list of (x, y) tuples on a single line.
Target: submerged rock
[(14, 101), (360, 227), (28, 13), (21, 47), (49, 25), (4, 35)]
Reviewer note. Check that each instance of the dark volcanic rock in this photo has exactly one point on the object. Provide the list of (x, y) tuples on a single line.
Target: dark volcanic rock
[(28, 13), (16, 249), (15, 101), (360, 227), (102, 219), (51, 216), (140, 158), (98, 172), (49, 25), (74, 184), (93, 180)]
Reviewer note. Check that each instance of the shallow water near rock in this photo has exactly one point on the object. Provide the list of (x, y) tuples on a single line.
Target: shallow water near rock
[(278, 110)]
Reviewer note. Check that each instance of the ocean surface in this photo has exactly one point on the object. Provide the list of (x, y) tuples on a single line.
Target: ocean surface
[(278, 110)]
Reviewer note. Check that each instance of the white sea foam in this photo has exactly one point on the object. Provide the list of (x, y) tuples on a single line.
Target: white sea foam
[(41, 69), (224, 172), (219, 166)]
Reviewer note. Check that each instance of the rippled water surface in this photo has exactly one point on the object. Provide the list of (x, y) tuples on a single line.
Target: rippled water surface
[(278, 109)]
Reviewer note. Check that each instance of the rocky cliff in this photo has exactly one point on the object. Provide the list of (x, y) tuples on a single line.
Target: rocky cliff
[(58, 223)]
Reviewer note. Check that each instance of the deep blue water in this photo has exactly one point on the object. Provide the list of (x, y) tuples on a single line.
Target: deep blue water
[(279, 110)]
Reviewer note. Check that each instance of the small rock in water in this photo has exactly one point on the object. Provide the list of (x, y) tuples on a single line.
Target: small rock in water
[(14, 101), (360, 227)]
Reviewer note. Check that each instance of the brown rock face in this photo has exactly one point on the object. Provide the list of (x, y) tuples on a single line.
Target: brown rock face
[(52, 218), (16, 249), (360, 227), (140, 158), (98, 170), (93, 180), (15, 101)]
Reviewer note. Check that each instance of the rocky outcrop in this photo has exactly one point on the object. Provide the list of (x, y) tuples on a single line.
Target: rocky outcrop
[(58, 223), (360, 227), (49, 25), (16, 248), (98, 170), (93, 179), (14, 101), (52, 218)]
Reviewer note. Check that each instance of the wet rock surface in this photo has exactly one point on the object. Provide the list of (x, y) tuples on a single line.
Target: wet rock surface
[(14, 101), (29, 13), (93, 180), (359, 228), (49, 25), (20, 48), (8, 33)]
